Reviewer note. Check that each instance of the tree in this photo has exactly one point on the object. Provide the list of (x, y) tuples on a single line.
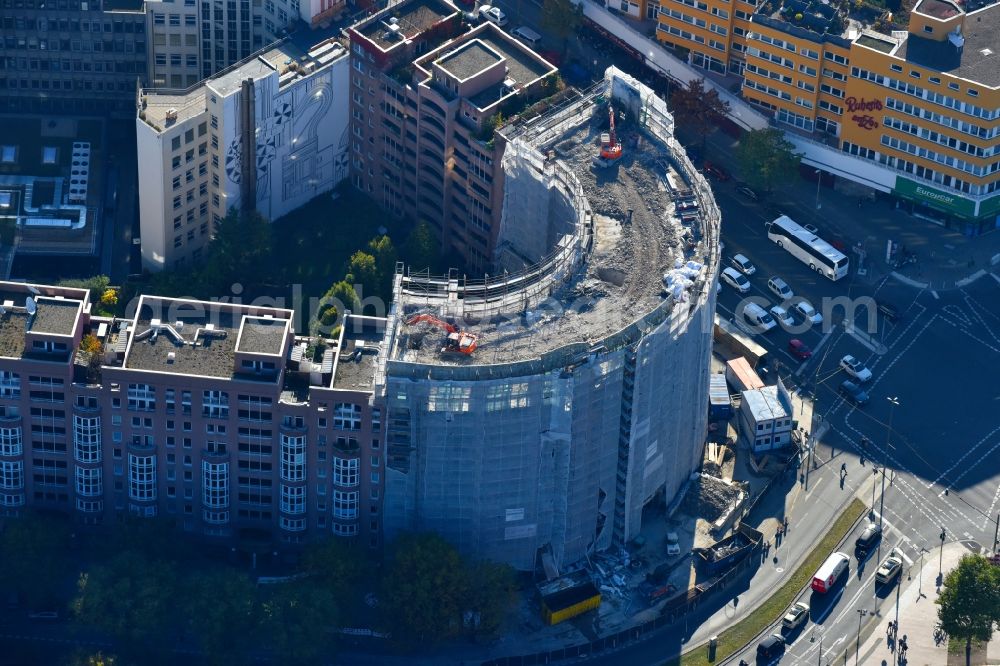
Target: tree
[(361, 270), (425, 590), (561, 18), (33, 550), (240, 251), (385, 264), (698, 109), (335, 564), (298, 618), (766, 158), (97, 285), (90, 344), (970, 601), (223, 611), (109, 298), (132, 598), (491, 596), (422, 250), (339, 297)]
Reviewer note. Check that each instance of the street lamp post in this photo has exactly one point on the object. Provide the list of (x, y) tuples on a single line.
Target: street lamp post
[(899, 584), (819, 180), (857, 650), (920, 577), (941, 554)]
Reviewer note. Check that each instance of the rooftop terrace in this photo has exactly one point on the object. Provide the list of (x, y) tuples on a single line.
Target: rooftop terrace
[(412, 18), (12, 327)]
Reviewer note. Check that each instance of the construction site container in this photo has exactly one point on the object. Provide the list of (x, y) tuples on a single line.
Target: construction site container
[(720, 405), (737, 342), (562, 601), (741, 376), (724, 554)]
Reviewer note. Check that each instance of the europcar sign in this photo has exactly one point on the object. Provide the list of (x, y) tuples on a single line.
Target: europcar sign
[(935, 198)]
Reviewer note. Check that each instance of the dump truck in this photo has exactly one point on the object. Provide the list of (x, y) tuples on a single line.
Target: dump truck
[(725, 554)]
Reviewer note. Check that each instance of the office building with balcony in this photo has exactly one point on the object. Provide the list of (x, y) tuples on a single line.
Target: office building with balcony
[(215, 416), (424, 96), (267, 134)]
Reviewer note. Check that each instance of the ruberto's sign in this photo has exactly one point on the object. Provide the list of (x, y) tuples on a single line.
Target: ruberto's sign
[(864, 120), (935, 198)]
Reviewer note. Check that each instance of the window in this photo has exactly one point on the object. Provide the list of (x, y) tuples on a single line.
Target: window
[(347, 416), (141, 397), (345, 504), (345, 472), (215, 404), (928, 29), (215, 485), (87, 439), (293, 499), (12, 475), (141, 477), (10, 384), (89, 482), (348, 530), (10, 441), (293, 457)]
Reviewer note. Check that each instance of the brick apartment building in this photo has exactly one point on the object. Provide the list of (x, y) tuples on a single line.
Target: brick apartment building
[(424, 94), (214, 415)]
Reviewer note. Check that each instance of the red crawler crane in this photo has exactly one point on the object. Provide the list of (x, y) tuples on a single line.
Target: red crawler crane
[(458, 341), (611, 149)]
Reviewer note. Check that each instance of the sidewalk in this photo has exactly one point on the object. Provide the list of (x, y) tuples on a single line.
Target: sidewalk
[(918, 615), (946, 258)]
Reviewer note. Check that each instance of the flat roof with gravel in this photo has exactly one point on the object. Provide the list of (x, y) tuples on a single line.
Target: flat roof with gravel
[(413, 18), (469, 59), (55, 316)]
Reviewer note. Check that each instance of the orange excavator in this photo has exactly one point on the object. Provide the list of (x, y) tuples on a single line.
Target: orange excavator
[(457, 341), (611, 147)]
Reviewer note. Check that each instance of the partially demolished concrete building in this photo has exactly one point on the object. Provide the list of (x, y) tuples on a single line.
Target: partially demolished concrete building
[(585, 397)]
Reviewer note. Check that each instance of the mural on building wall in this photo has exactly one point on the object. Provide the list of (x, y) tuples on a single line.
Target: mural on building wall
[(301, 145)]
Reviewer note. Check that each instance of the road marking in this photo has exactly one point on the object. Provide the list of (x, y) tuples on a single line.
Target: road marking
[(966, 455), (906, 558), (995, 276), (935, 294)]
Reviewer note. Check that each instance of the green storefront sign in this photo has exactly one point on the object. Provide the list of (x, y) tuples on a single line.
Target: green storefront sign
[(989, 207), (949, 203)]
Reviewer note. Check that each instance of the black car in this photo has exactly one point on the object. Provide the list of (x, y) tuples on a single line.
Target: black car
[(747, 192), (854, 393), (770, 647), (867, 540)]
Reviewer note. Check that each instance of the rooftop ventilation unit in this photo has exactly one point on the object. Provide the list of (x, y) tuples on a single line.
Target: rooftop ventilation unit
[(171, 115)]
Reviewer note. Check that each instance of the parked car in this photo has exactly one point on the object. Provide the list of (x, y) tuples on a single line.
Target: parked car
[(748, 193), (758, 318), (805, 310), (854, 393), (889, 570), (742, 264), (855, 368), (782, 316), (867, 540), (799, 350), (493, 15), (780, 288), (527, 35), (735, 279), (716, 171), (796, 616), (770, 647)]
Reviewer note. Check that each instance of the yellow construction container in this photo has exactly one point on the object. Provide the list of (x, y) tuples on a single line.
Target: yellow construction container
[(562, 604)]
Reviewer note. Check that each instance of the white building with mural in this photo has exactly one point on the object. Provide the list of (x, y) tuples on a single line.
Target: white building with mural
[(268, 133)]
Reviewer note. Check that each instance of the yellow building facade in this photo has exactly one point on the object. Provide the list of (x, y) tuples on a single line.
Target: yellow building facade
[(925, 105)]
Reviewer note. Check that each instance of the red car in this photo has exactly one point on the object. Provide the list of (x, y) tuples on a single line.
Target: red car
[(717, 172), (798, 349)]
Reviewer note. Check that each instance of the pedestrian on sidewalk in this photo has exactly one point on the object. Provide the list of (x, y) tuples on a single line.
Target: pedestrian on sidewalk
[(785, 524)]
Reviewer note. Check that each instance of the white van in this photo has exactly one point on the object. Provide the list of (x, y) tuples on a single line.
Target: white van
[(758, 318), (831, 571), (527, 35)]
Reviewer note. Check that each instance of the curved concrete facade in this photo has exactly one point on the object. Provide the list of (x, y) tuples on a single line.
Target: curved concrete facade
[(577, 410)]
